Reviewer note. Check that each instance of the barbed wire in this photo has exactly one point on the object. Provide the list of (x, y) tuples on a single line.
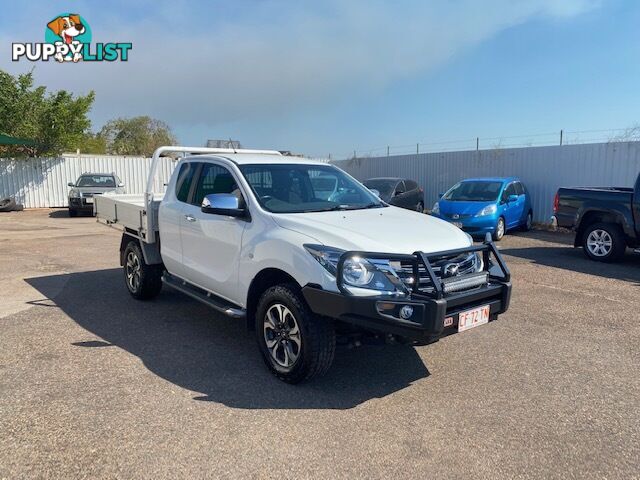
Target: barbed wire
[(562, 137)]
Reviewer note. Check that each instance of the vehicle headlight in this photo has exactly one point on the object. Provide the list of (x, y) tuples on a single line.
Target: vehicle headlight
[(436, 209), (74, 194), (360, 276), (357, 271), (488, 210)]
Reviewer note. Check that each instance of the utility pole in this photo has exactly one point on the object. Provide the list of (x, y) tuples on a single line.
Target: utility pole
[(561, 137), (387, 150), (477, 143), (417, 148)]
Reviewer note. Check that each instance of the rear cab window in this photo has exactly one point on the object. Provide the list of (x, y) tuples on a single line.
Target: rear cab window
[(185, 179)]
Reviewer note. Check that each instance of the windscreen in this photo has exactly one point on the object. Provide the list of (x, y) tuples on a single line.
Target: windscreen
[(97, 181), (297, 188), (475, 191)]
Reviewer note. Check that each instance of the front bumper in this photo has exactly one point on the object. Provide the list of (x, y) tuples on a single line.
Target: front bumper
[(472, 224), (80, 203), (434, 315)]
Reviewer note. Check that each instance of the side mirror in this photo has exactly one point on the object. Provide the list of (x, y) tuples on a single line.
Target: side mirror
[(121, 185), (375, 192), (71, 184), (224, 204), (512, 198), (399, 191), (441, 194)]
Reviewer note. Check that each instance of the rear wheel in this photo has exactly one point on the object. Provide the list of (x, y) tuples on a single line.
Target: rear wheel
[(296, 345), (420, 207), (526, 226), (498, 233), (143, 281), (603, 242)]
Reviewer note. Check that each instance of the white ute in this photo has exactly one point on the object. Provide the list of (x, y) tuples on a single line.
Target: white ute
[(303, 253)]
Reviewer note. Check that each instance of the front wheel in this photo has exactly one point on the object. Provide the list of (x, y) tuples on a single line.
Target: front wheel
[(498, 233), (603, 242), (296, 345), (143, 281)]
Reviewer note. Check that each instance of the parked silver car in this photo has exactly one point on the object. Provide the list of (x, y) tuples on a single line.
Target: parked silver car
[(88, 186)]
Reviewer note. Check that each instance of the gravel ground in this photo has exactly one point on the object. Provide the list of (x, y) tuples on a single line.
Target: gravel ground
[(96, 385)]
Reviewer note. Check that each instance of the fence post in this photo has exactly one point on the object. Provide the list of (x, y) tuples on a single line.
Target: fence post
[(561, 137)]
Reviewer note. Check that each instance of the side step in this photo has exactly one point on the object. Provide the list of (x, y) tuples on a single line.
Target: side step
[(215, 302)]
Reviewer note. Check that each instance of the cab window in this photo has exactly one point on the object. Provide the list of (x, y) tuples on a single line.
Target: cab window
[(185, 178), (214, 179)]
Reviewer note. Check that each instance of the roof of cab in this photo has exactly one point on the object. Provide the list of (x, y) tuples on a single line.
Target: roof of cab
[(260, 158)]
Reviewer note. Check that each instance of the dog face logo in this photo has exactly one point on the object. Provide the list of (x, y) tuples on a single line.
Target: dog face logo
[(67, 28), (71, 30)]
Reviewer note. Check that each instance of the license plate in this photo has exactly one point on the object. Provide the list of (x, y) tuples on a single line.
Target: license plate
[(88, 200), (473, 318), (457, 224)]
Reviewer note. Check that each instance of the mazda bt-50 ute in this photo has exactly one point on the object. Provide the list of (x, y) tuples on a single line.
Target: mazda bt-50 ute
[(254, 235)]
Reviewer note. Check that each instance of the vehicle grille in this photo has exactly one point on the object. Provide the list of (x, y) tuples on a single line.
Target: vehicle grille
[(457, 216), (456, 266)]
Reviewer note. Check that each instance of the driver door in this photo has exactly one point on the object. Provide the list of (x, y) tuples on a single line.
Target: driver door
[(211, 244), (512, 210)]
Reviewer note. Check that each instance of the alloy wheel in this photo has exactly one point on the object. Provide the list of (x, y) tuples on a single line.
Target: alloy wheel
[(133, 271), (282, 335), (599, 243), (500, 229)]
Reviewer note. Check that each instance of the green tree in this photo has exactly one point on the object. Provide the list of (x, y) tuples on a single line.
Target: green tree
[(56, 121), (136, 136)]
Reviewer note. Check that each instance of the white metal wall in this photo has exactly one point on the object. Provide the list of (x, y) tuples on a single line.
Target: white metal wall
[(42, 182), (542, 169)]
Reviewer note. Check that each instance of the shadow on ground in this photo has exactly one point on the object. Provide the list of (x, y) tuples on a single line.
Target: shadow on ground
[(573, 259), (64, 213), (187, 344)]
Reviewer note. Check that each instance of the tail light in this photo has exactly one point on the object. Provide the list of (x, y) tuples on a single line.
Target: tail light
[(556, 203)]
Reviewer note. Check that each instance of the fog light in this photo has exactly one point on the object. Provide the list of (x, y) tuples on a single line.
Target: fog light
[(406, 312)]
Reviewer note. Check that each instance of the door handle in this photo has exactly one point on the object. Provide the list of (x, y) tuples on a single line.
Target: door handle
[(190, 218)]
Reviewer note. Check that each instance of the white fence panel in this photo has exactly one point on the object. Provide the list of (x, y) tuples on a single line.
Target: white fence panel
[(542, 169), (42, 182)]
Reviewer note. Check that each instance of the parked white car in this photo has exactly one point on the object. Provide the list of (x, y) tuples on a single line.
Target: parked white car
[(246, 233)]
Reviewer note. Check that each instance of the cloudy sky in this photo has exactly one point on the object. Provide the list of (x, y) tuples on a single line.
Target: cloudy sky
[(333, 76)]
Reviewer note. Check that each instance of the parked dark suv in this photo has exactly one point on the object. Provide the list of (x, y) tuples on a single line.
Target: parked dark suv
[(400, 192)]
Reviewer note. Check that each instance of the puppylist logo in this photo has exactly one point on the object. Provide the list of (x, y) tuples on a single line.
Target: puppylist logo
[(67, 38)]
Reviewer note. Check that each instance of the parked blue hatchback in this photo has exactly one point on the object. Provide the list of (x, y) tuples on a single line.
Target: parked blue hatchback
[(481, 205)]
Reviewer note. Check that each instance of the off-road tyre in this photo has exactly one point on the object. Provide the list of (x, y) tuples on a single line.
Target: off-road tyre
[(7, 204), (317, 335), (143, 281)]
